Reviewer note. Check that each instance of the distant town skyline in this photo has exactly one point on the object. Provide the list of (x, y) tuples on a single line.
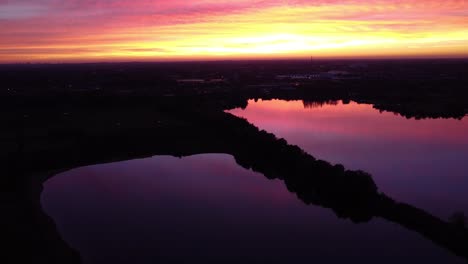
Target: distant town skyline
[(145, 30)]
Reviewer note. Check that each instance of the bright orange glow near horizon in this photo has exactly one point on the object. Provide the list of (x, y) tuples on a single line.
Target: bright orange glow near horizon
[(139, 30)]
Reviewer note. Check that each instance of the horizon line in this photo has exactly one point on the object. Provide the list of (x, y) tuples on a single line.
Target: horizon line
[(312, 58)]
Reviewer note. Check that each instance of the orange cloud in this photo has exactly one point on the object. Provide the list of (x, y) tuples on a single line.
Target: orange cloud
[(53, 30)]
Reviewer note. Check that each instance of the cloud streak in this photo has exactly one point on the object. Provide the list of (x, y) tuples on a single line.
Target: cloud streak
[(57, 30)]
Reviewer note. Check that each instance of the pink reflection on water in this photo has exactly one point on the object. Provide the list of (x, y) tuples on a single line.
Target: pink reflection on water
[(350, 120), (418, 161)]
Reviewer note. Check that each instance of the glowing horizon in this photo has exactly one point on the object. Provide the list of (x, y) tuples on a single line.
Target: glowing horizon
[(140, 30)]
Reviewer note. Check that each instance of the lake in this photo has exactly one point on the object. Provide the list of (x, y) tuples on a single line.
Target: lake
[(208, 209)]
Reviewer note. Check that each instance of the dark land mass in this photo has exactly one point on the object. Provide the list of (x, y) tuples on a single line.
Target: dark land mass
[(51, 128), (411, 88)]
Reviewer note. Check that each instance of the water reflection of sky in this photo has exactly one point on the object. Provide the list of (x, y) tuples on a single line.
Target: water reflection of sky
[(423, 162), (207, 209)]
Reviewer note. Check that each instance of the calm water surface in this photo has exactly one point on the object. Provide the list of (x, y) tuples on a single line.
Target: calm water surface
[(206, 208), (422, 162)]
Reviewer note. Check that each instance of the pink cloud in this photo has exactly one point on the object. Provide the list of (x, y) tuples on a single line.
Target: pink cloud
[(61, 22)]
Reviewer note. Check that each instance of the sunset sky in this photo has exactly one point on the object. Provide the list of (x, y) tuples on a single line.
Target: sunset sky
[(123, 30)]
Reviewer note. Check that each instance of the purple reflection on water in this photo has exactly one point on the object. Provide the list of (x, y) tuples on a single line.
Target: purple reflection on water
[(207, 209), (423, 162)]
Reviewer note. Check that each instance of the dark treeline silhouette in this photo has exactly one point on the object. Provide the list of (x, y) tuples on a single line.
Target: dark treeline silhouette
[(43, 142), (412, 88), (318, 103)]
